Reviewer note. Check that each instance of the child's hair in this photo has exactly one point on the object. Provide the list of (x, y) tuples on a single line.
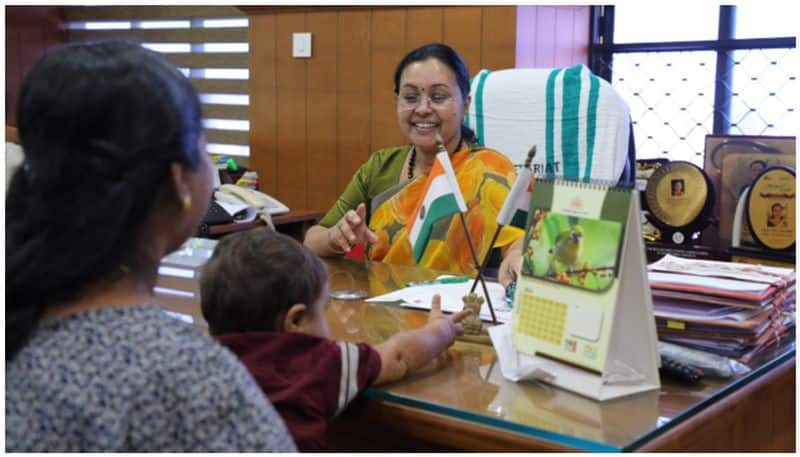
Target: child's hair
[(254, 277)]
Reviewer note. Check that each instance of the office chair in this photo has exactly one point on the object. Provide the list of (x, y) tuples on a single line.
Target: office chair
[(579, 123)]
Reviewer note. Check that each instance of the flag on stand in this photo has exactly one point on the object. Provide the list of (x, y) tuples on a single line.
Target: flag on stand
[(442, 197), (515, 209)]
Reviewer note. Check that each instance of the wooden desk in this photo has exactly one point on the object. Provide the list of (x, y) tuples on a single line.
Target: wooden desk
[(293, 223), (467, 404), (296, 223)]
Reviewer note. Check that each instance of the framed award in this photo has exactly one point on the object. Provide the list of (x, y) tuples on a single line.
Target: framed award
[(770, 208), (679, 198)]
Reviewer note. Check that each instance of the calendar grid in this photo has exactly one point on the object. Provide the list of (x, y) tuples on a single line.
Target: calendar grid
[(542, 318)]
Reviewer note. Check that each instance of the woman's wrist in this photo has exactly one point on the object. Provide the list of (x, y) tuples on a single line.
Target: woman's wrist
[(332, 245), (515, 246)]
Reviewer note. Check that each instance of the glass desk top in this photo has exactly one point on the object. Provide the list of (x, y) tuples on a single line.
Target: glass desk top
[(468, 384)]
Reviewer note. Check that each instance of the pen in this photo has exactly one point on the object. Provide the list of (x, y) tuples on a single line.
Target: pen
[(440, 280)]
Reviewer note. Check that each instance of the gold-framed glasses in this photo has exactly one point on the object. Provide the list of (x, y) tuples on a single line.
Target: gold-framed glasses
[(413, 100)]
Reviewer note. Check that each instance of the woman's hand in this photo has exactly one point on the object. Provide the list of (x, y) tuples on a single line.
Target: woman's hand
[(350, 230), (509, 267)]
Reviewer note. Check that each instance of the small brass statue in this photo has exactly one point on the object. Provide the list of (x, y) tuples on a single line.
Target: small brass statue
[(472, 323)]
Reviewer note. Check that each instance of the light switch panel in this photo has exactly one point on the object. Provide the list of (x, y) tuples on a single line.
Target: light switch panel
[(301, 45)]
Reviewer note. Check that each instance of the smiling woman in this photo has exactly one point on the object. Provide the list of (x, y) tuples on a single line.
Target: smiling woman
[(432, 88)]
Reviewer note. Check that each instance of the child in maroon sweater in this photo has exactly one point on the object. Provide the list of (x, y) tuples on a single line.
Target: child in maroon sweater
[(264, 296)]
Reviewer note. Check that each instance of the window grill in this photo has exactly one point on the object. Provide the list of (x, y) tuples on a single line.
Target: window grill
[(681, 91)]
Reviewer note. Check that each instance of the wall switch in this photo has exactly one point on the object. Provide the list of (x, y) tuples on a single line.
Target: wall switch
[(301, 45)]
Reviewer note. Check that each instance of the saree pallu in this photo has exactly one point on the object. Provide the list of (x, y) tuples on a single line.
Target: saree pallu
[(485, 178)]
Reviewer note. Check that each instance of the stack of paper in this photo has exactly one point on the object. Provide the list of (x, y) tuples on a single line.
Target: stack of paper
[(732, 309)]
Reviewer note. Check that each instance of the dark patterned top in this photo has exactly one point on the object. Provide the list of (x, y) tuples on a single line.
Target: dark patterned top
[(134, 379)]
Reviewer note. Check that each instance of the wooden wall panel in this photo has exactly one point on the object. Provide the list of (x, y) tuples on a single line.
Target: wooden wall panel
[(355, 92), (545, 37), (527, 28), (388, 48), (291, 106), (30, 31), (424, 25), (321, 109), (315, 121), (263, 96), (564, 36), (552, 36), (499, 36), (580, 35), (461, 32)]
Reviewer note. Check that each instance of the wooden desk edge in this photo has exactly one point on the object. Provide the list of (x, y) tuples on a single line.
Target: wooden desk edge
[(308, 217), (302, 215), (757, 416), (729, 421), (425, 430)]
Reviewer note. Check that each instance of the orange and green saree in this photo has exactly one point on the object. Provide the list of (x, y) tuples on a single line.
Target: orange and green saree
[(484, 177)]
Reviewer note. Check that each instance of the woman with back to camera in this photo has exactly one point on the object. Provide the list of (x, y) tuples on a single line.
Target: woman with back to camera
[(115, 176), (432, 90)]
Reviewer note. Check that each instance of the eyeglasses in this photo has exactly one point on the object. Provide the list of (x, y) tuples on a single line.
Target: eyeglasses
[(412, 101)]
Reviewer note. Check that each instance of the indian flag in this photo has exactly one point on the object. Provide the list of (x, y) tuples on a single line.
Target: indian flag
[(515, 209), (442, 197)]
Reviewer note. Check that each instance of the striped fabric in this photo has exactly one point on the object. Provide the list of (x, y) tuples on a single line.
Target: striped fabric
[(577, 120), (348, 381)]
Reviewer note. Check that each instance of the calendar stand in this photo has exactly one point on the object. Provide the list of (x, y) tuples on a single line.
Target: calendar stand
[(583, 313)]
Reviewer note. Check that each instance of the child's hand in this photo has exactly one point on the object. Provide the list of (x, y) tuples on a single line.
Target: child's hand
[(451, 324), (411, 350)]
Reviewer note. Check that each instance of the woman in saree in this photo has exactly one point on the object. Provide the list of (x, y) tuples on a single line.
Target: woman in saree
[(432, 88)]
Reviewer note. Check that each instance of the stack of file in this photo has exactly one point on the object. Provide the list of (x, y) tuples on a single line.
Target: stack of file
[(732, 309)]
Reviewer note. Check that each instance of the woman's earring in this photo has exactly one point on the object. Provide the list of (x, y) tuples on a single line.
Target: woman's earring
[(187, 202)]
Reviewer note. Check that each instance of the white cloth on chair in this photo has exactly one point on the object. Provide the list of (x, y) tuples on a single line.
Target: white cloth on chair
[(578, 122)]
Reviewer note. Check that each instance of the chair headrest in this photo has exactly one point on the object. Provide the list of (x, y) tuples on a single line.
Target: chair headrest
[(577, 120)]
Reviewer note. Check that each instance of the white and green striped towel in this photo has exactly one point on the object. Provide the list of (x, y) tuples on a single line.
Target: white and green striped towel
[(578, 122)]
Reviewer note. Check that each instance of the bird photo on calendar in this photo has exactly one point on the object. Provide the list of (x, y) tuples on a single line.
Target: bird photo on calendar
[(572, 250)]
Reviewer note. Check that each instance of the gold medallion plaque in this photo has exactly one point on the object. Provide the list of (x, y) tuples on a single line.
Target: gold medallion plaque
[(677, 193), (771, 208)]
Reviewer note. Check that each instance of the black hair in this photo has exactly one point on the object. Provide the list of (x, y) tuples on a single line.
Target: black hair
[(774, 205), (448, 56), (254, 277), (99, 123)]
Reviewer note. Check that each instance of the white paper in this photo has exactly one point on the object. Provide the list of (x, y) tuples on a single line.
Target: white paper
[(515, 366), (707, 283), (584, 321), (451, 294), (742, 271)]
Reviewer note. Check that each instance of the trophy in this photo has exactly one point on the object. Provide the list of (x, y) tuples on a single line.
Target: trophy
[(678, 199), (768, 208)]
